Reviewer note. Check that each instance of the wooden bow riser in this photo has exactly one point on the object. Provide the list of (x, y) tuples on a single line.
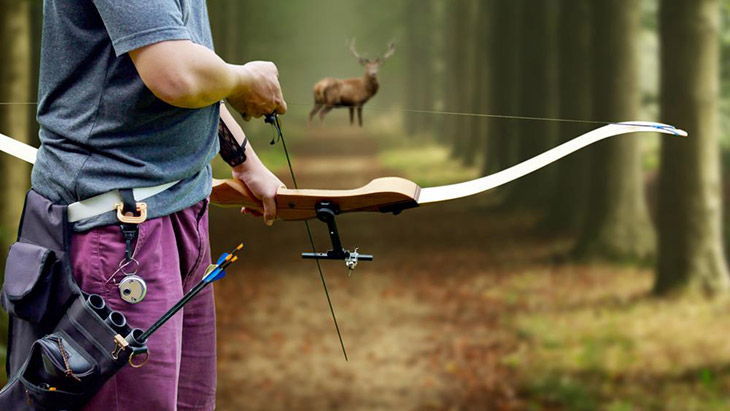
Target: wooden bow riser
[(388, 194)]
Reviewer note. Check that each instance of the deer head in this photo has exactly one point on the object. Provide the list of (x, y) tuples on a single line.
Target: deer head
[(372, 65)]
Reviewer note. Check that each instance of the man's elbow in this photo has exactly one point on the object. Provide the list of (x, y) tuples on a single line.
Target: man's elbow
[(176, 89), (179, 72)]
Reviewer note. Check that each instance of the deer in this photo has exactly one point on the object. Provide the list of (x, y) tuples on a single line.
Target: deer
[(352, 93)]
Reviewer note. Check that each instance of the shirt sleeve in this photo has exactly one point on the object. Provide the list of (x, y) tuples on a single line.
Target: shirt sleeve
[(132, 24)]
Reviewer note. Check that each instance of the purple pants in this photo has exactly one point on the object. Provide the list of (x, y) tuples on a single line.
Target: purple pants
[(173, 253)]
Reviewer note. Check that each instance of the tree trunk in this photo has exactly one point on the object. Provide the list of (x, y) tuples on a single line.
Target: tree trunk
[(460, 74), (36, 29), (15, 85), (536, 99), (617, 226), (420, 74), (503, 85), (478, 84), (690, 245), (451, 89), (568, 199), (231, 27)]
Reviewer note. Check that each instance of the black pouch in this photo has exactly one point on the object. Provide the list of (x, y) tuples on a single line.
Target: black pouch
[(38, 281), (60, 349), (52, 377), (29, 276)]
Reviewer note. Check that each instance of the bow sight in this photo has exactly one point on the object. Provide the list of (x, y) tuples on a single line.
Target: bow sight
[(326, 212)]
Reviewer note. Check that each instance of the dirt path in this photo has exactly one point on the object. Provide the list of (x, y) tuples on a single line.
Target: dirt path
[(421, 328)]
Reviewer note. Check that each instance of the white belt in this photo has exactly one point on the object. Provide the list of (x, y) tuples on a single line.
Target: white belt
[(106, 202), (93, 206)]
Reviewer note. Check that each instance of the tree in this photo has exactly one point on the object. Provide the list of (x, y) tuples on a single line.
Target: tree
[(419, 47), (535, 99), (617, 224), (503, 84), (479, 83), (690, 246), (454, 70), (568, 199), (15, 86)]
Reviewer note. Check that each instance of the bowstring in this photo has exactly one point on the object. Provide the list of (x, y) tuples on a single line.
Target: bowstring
[(274, 120), (433, 112), (501, 116), (472, 114)]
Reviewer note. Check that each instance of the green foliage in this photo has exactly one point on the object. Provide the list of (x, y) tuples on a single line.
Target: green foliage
[(565, 391), (615, 346)]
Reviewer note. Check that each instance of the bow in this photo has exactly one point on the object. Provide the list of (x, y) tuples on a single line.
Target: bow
[(394, 194), (387, 194)]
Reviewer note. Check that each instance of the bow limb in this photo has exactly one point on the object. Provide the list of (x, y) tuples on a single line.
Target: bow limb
[(469, 188)]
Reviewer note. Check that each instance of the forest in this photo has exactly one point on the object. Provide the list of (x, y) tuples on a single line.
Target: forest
[(597, 282)]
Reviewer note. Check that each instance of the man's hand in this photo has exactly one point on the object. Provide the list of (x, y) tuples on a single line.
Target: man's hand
[(263, 184), (259, 92)]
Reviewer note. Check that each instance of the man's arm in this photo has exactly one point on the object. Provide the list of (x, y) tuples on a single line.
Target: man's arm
[(262, 183), (188, 75), (185, 74)]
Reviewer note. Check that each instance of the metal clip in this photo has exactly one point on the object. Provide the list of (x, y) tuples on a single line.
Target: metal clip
[(138, 364), (120, 344), (132, 219), (351, 261)]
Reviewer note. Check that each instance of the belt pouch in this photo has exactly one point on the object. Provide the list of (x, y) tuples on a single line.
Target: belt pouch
[(60, 350)]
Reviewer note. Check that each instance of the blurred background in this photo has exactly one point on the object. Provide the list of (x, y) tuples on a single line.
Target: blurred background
[(599, 282)]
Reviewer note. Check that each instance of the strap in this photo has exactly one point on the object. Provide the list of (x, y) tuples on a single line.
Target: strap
[(231, 152), (129, 230), (130, 206), (106, 202)]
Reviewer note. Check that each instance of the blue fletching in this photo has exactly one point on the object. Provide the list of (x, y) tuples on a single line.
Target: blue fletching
[(222, 258), (215, 275), (218, 272), (210, 275)]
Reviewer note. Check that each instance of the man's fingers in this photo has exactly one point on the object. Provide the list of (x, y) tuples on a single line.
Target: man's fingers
[(251, 211), (281, 107), (269, 210)]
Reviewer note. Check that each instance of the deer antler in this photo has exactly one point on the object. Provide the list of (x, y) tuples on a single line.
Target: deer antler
[(360, 59), (389, 52)]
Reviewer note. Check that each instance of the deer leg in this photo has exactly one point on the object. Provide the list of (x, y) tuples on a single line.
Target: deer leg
[(324, 112), (352, 114), (359, 115), (315, 109)]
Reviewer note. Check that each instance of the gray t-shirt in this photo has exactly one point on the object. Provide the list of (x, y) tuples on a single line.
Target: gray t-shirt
[(101, 127)]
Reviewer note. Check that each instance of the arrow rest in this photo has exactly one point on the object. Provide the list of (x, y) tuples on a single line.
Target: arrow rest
[(326, 212)]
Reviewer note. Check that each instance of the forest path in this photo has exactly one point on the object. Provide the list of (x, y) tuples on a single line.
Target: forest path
[(419, 322)]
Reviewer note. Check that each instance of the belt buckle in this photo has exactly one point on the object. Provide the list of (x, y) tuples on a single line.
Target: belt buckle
[(131, 219)]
